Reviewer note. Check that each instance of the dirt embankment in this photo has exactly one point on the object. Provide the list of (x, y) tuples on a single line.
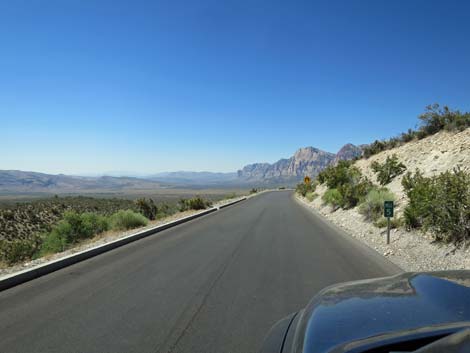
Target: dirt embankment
[(411, 250)]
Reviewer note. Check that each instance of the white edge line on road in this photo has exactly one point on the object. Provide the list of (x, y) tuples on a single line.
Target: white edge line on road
[(26, 275)]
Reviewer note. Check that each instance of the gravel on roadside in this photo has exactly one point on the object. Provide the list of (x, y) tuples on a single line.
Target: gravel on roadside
[(412, 251)]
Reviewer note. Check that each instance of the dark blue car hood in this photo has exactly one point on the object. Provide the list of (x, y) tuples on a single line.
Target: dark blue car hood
[(343, 314)]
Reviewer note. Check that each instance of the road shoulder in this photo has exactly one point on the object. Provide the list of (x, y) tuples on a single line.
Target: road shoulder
[(411, 251)]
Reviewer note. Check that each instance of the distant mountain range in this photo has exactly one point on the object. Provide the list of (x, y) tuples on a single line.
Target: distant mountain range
[(16, 181), (305, 161)]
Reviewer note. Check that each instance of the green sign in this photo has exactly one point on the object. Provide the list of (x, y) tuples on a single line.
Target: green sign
[(388, 208)]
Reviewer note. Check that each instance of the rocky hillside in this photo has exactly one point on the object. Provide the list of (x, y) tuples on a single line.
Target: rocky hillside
[(305, 161), (412, 250), (432, 155)]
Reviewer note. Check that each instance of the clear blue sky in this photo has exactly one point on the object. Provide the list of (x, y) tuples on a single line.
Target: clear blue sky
[(148, 86)]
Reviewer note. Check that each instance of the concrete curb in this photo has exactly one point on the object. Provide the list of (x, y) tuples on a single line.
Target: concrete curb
[(232, 203), (29, 274)]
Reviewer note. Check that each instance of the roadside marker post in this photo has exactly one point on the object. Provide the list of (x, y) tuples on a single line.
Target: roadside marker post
[(388, 212), (307, 180)]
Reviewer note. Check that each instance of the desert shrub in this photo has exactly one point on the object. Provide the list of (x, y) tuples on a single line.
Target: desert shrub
[(310, 196), (304, 188), (25, 219), (346, 179), (13, 251), (373, 205), (419, 191), (440, 204), (388, 170), (128, 219), (354, 191), (165, 210), (147, 207), (337, 175), (333, 197), (78, 226), (435, 119), (53, 242), (253, 191), (374, 148), (195, 203), (408, 136)]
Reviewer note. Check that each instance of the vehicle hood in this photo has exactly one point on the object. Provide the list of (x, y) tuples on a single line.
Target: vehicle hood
[(359, 310)]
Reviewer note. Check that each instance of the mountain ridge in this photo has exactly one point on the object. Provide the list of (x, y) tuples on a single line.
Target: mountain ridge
[(305, 161)]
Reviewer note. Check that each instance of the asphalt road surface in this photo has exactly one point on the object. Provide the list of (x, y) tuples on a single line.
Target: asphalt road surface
[(212, 285)]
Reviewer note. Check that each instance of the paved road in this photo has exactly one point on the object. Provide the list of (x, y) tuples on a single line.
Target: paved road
[(213, 285)]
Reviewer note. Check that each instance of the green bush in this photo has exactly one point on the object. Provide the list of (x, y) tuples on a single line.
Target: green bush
[(419, 191), (253, 191), (348, 181), (195, 203), (53, 242), (387, 171), (354, 192), (73, 228), (435, 119), (333, 197), (337, 175), (440, 204), (374, 148), (124, 220), (78, 226), (373, 205), (408, 136), (147, 207), (304, 188), (18, 250), (310, 196)]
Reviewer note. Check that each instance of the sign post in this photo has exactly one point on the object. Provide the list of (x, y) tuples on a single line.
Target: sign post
[(307, 180), (388, 212)]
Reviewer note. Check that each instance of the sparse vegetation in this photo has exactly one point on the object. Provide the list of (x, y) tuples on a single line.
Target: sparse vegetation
[(395, 222), (387, 171), (253, 191), (433, 120), (195, 203), (440, 204), (24, 220), (32, 229)]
